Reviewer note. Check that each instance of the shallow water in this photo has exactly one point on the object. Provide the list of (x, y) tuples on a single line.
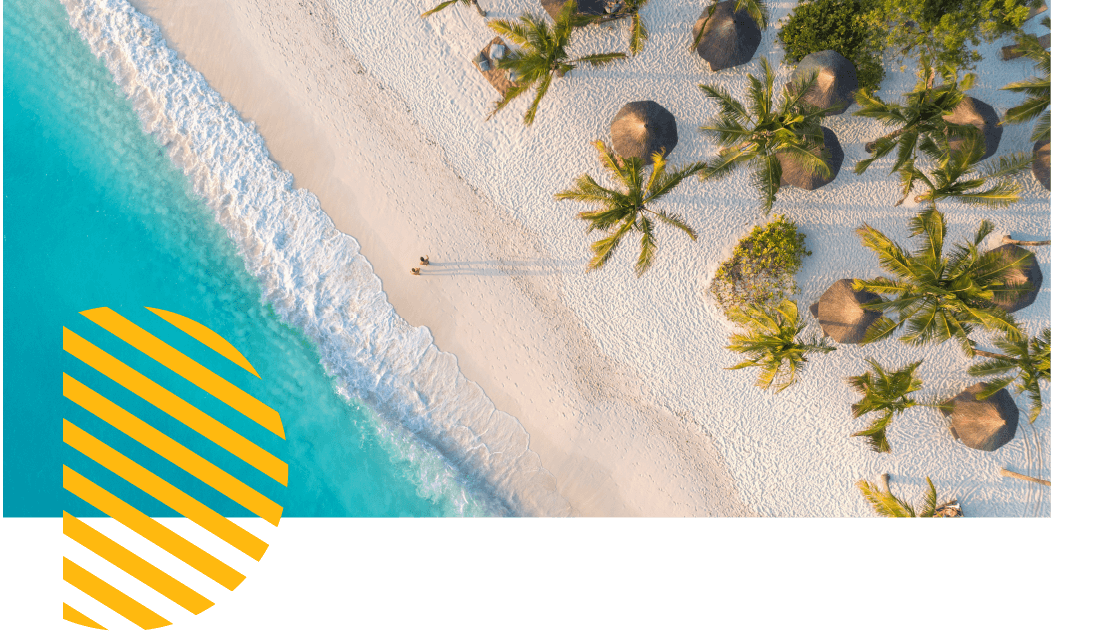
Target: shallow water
[(96, 214)]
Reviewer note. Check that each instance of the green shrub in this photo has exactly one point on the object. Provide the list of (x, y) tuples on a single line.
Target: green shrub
[(762, 270), (817, 25)]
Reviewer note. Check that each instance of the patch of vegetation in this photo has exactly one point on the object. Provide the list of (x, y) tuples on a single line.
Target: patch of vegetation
[(817, 25), (944, 31), (885, 503), (762, 270)]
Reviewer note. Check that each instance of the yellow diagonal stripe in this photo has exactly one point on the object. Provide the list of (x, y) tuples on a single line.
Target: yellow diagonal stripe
[(155, 440), (164, 491), (174, 406), (158, 534), (134, 565), (111, 597), (71, 614), (207, 337), (176, 361)]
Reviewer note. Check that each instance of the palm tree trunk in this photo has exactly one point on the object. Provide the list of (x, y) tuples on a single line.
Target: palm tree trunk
[(870, 147), (478, 7), (1009, 240), (1015, 475), (979, 352)]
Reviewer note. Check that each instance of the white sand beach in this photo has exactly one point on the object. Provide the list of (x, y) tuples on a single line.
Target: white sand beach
[(618, 382)]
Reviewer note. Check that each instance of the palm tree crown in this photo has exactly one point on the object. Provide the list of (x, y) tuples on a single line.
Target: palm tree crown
[(756, 135), (919, 118), (627, 8), (955, 176), (770, 339), (884, 392), (938, 296), (1030, 358), (624, 210), (1037, 89), (448, 3), (542, 55), (885, 503)]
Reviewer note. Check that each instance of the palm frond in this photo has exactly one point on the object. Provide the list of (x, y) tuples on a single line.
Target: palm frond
[(678, 222), (439, 7), (639, 35), (529, 115)]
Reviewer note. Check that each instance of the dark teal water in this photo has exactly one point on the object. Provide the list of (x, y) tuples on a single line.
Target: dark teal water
[(95, 215)]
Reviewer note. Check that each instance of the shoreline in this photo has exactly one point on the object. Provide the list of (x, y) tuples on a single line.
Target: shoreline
[(285, 68)]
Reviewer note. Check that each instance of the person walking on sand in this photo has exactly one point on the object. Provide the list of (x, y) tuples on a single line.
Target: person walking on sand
[(416, 271), (424, 260)]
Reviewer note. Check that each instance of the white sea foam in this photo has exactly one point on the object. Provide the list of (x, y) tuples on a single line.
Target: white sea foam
[(312, 274)]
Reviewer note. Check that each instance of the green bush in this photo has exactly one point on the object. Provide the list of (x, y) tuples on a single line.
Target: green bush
[(817, 25), (762, 270)]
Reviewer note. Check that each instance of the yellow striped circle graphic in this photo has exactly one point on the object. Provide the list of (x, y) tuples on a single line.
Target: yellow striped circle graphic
[(156, 562)]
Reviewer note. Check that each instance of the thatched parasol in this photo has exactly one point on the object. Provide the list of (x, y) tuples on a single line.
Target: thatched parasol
[(982, 425), (840, 314), (983, 116), (642, 128), (730, 39), (836, 81), (1027, 271), (795, 175), (1041, 162), (584, 7)]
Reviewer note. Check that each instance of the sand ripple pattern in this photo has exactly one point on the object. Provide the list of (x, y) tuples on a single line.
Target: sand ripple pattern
[(312, 274)]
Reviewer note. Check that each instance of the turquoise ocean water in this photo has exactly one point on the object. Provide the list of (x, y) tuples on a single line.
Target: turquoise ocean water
[(96, 215)]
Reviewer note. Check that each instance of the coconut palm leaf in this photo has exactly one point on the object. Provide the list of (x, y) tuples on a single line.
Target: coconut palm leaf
[(1029, 362), (917, 119), (1037, 104), (769, 338), (542, 55), (627, 208), (765, 126), (885, 503), (441, 7), (937, 295)]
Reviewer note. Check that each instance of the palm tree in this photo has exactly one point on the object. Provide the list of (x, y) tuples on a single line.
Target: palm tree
[(885, 503), (758, 134), (444, 5), (938, 296), (627, 9), (1038, 89), (626, 207), (770, 339), (947, 179), (542, 55), (884, 392), (755, 8), (920, 117), (1030, 358)]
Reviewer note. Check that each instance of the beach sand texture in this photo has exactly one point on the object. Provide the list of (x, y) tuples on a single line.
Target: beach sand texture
[(618, 381)]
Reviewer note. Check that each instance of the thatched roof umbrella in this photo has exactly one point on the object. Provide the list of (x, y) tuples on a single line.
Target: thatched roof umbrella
[(1027, 271), (642, 128), (836, 81), (584, 7), (983, 425), (795, 175), (840, 314), (1041, 162), (983, 116), (730, 39)]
